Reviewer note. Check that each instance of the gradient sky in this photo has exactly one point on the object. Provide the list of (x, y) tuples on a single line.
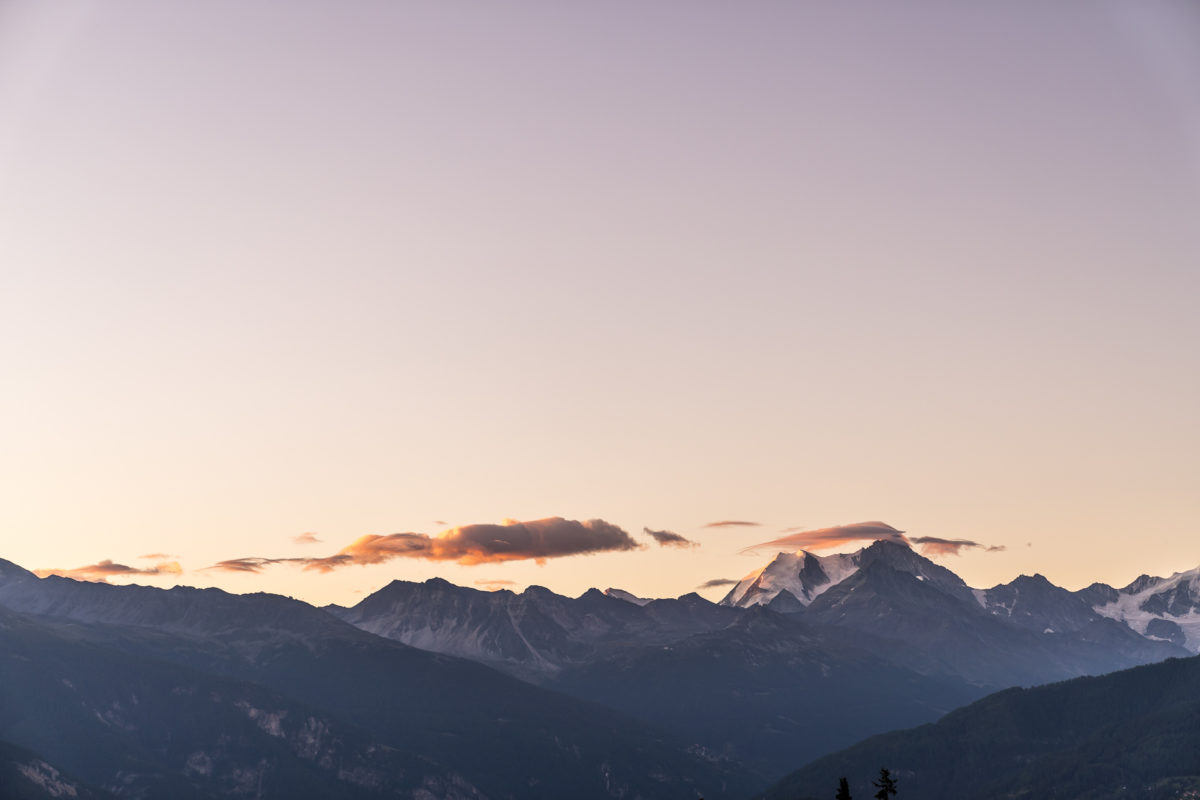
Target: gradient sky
[(361, 268)]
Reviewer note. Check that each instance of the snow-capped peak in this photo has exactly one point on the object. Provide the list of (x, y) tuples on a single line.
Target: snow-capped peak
[(805, 575)]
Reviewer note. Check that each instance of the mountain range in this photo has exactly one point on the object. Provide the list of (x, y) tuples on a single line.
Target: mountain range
[(188, 693), (434, 690)]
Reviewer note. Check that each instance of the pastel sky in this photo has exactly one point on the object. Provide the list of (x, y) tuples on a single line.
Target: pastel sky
[(355, 269)]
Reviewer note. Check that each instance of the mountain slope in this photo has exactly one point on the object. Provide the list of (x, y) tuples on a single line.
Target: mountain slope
[(24, 775), (768, 690), (492, 733), (142, 727), (1131, 734)]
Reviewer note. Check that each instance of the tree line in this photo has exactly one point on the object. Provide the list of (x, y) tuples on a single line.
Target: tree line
[(885, 786)]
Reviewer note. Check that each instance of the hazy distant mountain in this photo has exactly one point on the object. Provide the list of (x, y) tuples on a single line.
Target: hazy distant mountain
[(464, 730), (629, 597), (1131, 734), (1160, 608)]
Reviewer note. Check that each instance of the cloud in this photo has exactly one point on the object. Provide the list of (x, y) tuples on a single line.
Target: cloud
[(935, 546), (252, 564), (372, 549), (715, 582), (822, 538), (733, 523), (537, 540), (836, 536), (106, 569), (669, 539), (306, 538), (440, 522), (157, 557)]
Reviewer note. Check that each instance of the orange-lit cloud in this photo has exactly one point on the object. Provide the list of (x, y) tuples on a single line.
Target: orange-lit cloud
[(157, 557), (836, 536), (373, 549), (306, 538), (715, 582), (733, 523), (539, 539), (670, 539), (536, 540), (935, 546), (101, 572)]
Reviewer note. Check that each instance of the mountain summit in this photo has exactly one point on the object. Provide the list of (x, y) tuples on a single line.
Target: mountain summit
[(805, 575)]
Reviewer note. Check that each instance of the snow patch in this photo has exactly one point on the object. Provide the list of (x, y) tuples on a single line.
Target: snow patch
[(48, 778), (199, 762), (271, 722)]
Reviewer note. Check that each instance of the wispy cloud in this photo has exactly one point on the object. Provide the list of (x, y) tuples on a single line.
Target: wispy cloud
[(101, 572), (715, 582), (306, 538), (733, 523), (838, 535), (936, 546), (252, 564), (157, 557), (669, 538), (537, 540)]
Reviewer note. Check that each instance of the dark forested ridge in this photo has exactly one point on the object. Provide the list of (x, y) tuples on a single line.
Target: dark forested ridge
[(1130, 734)]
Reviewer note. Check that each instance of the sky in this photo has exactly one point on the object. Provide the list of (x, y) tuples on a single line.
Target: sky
[(327, 291)]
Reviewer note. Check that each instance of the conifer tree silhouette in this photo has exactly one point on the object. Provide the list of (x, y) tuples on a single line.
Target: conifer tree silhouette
[(843, 792), (885, 785)]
